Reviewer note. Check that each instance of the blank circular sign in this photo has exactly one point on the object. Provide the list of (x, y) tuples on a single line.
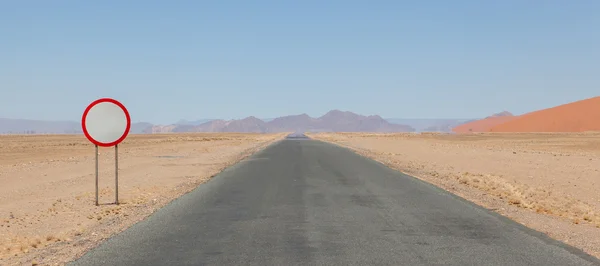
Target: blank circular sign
[(106, 122)]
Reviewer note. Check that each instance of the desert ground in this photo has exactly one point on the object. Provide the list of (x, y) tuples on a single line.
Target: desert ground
[(47, 193), (546, 181)]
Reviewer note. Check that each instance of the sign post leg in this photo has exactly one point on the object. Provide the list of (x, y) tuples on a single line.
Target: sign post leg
[(96, 175), (106, 123), (117, 174)]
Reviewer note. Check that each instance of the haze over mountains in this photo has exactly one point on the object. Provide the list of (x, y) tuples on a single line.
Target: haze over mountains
[(484, 125), (577, 116), (429, 124), (333, 121), (26, 126)]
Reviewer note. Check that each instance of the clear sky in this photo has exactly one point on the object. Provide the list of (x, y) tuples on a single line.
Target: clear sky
[(171, 60)]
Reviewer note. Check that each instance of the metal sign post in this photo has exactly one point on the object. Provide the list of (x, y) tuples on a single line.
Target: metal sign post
[(106, 123), (117, 174), (96, 175)]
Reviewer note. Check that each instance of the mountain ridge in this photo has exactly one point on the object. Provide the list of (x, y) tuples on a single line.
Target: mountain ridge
[(333, 121)]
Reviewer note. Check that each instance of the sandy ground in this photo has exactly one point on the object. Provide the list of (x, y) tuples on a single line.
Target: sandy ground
[(548, 182), (47, 201)]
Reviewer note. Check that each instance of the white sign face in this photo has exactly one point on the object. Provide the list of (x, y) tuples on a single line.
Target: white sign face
[(106, 123)]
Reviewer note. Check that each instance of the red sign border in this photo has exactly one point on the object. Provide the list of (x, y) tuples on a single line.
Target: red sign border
[(87, 110)]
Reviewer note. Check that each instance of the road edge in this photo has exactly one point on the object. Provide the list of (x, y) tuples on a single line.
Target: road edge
[(521, 227), (252, 151)]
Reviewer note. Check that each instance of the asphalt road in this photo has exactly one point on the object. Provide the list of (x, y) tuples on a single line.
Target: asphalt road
[(305, 202)]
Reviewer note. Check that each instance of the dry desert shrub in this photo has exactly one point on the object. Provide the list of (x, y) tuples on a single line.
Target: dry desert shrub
[(432, 133), (539, 200)]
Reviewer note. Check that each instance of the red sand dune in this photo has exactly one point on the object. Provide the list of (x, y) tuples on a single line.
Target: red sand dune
[(484, 125), (577, 116)]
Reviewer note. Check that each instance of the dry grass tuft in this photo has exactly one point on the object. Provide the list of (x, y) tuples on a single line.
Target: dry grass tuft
[(24, 248), (537, 199), (36, 243)]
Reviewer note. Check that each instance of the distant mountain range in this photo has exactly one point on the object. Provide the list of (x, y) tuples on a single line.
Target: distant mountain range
[(430, 124), (26, 126), (193, 123), (577, 116), (333, 121)]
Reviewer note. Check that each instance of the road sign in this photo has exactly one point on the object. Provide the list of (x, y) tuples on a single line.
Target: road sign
[(106, 123)]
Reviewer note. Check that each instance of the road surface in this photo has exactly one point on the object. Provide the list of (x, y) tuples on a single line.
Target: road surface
[(306, 202)]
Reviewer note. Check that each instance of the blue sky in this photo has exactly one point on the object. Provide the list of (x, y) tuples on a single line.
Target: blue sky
[(171, 60)]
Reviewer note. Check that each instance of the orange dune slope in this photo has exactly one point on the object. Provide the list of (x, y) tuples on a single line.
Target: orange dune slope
[(484, 125), (577, 116)]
